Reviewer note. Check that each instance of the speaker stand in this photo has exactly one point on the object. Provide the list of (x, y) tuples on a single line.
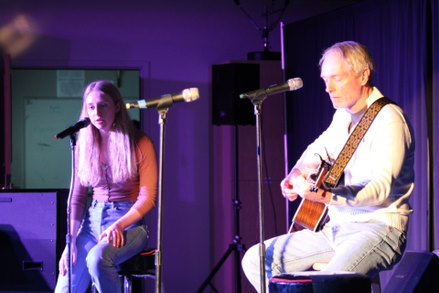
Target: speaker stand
[(237, 248)]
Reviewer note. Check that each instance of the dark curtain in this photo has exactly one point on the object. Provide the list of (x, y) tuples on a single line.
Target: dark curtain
[(403, 37), (2, 128), (434, 122)]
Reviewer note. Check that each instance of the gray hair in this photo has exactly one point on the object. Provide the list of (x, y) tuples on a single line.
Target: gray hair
[(356, 56)]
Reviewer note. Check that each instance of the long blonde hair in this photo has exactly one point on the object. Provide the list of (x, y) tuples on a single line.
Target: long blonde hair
[(121, 144)]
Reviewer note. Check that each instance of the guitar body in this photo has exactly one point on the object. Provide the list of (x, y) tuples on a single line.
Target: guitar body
[(311, 214)]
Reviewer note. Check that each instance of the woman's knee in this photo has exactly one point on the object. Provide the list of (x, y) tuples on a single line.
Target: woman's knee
[(97, 257), (92, 261)]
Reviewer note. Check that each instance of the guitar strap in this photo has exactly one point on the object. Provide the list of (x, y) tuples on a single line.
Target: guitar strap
[(353, 141)]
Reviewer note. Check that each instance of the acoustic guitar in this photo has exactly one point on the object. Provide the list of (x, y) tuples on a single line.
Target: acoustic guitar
[(310, 214)]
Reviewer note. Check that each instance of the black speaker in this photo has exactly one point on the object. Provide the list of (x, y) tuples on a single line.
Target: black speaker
[(228, 82), (32, 238), (416, 272)]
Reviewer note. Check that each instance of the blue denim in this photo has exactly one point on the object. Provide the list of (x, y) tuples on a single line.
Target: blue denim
[(364, 248), (99, 261)]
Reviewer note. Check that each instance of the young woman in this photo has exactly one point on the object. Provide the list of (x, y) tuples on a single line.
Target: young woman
[(117, 165)]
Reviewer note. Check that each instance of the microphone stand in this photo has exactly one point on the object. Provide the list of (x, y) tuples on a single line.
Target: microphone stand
[(257, 103), (69, 200), (162, 106), (162, 109)]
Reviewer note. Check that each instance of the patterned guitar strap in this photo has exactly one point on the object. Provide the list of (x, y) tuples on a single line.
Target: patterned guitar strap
[(352, 143)]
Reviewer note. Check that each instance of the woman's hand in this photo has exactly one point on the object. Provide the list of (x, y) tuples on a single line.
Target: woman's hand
[(114, 235), (63, 262)]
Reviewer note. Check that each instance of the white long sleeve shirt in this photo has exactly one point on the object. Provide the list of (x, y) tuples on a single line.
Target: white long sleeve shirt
[(379, 178)]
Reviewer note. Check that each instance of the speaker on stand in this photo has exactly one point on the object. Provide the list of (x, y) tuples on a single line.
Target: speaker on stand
[(228, 82)]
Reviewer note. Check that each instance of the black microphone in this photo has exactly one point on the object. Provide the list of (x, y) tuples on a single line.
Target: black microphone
[(74, 128), (187, 95), (291, 85)]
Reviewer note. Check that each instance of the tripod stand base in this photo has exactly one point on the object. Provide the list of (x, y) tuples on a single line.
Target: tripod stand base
[(234, 247)]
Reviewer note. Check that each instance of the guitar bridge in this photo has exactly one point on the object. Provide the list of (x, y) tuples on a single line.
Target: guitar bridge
[(313, 189)]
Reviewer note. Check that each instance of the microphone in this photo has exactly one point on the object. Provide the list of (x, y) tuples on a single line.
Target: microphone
[(187, 95), (74, 128), (291, 85)]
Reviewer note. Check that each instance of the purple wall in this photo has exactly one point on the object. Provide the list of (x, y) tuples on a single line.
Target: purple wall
[(174, 43)]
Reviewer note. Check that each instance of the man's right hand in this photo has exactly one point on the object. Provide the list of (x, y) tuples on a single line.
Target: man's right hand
[(295, 184), (287, 189)]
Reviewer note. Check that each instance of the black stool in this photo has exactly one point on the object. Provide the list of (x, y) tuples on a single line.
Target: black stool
[(317, 282), (375, 281), (141, 265)]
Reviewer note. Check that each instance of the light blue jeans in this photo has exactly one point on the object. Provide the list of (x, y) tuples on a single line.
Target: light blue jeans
[(99, 261), (364, 248)]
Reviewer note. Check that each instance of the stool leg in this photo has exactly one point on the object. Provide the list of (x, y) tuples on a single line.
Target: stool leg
[(127, 284)]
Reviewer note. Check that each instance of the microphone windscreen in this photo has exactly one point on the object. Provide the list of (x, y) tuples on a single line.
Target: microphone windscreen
[(295, 83), (190, 94)]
